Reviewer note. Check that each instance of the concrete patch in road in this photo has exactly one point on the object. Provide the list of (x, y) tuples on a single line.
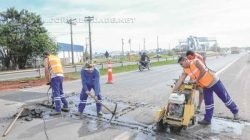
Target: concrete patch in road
[(225, 126), (219, 129), (144, 115)]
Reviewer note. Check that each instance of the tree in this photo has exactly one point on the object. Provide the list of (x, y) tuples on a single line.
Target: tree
[(106, 54), (23, 37)]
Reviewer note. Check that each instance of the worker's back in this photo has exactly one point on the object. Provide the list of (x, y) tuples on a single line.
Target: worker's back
[(200, 57)]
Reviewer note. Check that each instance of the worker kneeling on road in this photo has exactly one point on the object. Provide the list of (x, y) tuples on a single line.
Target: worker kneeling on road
[(90, 80), (210, 83), (54, 78)]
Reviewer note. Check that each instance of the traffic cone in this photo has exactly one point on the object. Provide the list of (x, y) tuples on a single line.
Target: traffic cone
[(110, 78)]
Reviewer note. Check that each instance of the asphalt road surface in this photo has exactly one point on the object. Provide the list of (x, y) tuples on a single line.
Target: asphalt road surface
[(139, 95)]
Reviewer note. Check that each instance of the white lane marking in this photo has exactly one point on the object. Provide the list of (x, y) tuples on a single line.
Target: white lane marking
[(123, 136), (227, 66)]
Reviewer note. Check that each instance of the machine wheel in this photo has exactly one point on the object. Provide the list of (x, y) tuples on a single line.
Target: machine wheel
[(148, 66), (160, 127), (140, 67), (175, 129)]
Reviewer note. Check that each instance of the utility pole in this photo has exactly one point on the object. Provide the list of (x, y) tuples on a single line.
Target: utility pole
[(70, 22), (144, 46), (89, 19), (83, 53), (122, 47), (157, 45), (139, 47), (129, 41), (86, 49)]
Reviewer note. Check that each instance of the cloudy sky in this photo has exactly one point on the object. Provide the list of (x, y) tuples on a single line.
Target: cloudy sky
[(171, 20)]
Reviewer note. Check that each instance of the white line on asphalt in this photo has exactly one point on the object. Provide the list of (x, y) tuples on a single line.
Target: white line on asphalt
[(227, 66), (34, 89), (123, 136)]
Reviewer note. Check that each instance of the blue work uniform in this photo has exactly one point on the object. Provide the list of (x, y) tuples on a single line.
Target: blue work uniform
[(90, 81)]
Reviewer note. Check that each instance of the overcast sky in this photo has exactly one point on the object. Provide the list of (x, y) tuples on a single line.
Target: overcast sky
[(172, 20)]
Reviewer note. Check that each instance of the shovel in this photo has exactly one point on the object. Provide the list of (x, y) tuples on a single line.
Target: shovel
[(112, 112)]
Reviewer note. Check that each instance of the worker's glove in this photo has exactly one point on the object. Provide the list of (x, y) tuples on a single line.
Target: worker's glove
[(176, 91), (192, 82), (48, 83)]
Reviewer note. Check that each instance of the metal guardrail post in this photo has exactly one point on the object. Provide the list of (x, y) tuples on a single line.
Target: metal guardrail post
[(39, 71), (102, 66), (121, 63), (75, 68)]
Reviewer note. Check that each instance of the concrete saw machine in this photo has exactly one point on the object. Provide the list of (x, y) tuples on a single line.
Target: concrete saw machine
[(179, 113)]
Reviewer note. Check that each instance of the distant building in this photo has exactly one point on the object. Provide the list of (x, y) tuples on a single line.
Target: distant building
[(196, 43), (65, 54)]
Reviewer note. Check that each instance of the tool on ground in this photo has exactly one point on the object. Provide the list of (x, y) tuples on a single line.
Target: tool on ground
[(12, 123), (179, 112), (112, 112), (47, 104), (49, 95)]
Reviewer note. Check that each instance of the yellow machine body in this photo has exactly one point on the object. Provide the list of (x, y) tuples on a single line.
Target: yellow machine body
[(188, 116)]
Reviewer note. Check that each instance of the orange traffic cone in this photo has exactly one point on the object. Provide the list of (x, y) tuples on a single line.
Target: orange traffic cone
[(109, 73)]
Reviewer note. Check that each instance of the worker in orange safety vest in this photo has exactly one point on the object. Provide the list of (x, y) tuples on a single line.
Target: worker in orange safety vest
[(210, 83), (54, 77), (191, 55)]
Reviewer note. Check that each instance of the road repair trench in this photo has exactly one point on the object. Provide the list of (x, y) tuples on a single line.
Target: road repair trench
[(136, 116)]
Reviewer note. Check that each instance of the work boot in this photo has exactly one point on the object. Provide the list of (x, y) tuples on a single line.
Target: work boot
[(99, 114), (236, 116), (65, 109), (54, 113), (77, 113), (198, 110), (204, 122)]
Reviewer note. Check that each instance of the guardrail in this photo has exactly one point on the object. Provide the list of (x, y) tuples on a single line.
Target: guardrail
[(74, 68)]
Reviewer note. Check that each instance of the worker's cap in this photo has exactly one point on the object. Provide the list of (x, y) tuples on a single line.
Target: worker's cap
[(189, 52), (89, 66), (182, 58), (46, 53)]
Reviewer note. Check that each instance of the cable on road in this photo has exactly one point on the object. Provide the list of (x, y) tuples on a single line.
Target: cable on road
[(45, 129)]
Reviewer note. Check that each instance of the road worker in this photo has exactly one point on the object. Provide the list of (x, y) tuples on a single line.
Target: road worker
[(54, 77), (191, 55), (90, 80), (196, 70)]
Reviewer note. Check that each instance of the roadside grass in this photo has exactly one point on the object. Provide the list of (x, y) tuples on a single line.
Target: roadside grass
[(71, 76), (76, 75), (25, 79), (127, 68)]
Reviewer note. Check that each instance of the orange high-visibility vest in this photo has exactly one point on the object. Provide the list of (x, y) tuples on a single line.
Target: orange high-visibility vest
[(55, 65), (193, 72)]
